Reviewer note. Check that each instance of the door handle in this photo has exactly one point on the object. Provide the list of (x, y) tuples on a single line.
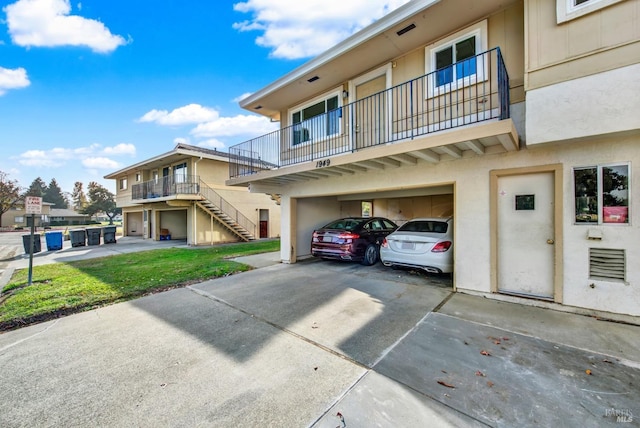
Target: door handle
[(550, 241)]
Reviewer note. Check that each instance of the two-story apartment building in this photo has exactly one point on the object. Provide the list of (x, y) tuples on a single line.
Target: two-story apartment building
[(17, 216), (520, 118), (182, 194)]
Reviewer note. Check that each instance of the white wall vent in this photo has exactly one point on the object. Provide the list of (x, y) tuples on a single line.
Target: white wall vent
[(607, 263)]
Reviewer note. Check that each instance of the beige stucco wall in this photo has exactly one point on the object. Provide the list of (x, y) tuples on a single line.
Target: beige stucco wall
[(599, 104), (599, 41), (311, 205), (9, 218)]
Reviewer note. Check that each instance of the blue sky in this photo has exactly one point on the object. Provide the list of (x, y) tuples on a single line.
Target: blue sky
[(87, 88)]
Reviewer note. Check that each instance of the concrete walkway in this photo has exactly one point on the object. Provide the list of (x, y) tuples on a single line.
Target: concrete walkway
[(320, 344)]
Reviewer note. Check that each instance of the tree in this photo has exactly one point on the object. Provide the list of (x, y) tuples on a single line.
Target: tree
[(54, 195), (9, 194), (78, 197), (101, 201), (37, 188)]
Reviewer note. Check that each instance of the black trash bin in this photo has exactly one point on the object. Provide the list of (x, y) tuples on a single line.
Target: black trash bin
[(109, 234), (93, 236), (37, 244), (78, 237)]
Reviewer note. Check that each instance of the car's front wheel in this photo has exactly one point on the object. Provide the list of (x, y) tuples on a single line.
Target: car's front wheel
[(370, 255)]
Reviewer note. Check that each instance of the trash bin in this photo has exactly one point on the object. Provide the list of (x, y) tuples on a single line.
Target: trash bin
[(93, 236), (37, 245), (109, 234), (78, 237), (54, 240)]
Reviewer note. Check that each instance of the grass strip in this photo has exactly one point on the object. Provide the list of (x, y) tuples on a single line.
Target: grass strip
[(63, 288)]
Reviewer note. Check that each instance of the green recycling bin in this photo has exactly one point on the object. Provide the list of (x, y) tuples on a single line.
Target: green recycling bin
[(109, 234), (78, 237), (37, 245), (93, 235)]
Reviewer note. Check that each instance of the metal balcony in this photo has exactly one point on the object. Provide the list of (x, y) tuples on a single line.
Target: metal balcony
[(471, 91)]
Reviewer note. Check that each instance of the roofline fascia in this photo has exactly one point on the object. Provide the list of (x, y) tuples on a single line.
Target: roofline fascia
[(181, 151), (383, 24)]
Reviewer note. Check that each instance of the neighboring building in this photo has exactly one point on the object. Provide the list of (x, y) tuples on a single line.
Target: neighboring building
[(17, 217), (67, 217), (181, 195), (520, 118)]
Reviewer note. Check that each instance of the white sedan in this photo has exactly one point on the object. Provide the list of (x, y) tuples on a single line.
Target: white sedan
[(422, 243)]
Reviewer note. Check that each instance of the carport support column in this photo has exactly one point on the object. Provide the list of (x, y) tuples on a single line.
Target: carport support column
[(288, 222)]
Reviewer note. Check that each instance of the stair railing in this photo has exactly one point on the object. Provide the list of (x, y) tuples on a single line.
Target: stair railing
[(227, 208)]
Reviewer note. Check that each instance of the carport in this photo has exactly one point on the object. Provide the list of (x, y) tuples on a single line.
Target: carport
[(397, 205)]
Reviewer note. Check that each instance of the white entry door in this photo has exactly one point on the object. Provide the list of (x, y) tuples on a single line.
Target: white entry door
[(526, 235)]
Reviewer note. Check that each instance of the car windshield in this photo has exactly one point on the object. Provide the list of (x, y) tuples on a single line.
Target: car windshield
[(343, 224), (424, 226)]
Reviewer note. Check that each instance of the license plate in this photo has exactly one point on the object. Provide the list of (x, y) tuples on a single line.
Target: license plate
[(408, 246)]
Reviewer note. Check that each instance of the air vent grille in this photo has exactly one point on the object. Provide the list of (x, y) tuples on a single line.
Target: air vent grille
[(606, 263)]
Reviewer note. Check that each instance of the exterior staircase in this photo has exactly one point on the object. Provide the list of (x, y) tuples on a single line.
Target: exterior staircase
[(226, 214)]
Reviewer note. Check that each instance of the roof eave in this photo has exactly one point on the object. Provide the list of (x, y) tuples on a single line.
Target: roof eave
[(383, 24)]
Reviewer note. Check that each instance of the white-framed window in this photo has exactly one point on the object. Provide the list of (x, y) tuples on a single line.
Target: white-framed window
[(602, 194), (123, 183), (316, 119), (18, 219), (138, 177), (180, 173), (154, 174), (566, 10), (453, 62)]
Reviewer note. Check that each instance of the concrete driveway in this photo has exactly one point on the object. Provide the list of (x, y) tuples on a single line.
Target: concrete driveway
[(320, 344)]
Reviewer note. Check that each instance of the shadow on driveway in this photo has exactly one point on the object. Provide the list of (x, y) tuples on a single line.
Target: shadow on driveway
[(355, 311)]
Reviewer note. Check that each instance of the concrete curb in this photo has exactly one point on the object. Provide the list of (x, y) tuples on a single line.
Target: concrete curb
[(5, 276)]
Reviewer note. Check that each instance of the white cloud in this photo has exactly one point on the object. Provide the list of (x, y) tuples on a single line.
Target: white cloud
[(93, 156), (120, 149), (48, 23), (189, 114), (235, 126), (13, 79), (295, 30), (100, 163), (181, 140)]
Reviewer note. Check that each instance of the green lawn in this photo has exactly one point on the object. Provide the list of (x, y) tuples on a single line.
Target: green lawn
[(64, 288)]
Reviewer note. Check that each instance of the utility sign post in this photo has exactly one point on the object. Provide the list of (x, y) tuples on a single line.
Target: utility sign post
[(33, 206)]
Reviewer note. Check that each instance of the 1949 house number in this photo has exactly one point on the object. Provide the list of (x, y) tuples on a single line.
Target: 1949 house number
[(323, 163)]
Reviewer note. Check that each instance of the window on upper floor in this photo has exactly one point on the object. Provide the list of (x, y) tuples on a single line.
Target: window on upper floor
[(453, 61), (180, 173), (138, 177), (567, 10), (602, 194), (317, 119), (123, 184)]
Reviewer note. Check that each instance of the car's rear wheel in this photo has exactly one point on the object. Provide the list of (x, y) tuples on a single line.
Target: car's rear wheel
[(370, 255)]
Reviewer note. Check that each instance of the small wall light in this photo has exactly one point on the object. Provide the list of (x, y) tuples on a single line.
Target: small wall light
[(345, 93)]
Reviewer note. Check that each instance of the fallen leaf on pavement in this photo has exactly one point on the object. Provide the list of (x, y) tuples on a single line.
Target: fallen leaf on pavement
[(479, 373), (485, 353), (588, 372), (489, 384), (443, 383)]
